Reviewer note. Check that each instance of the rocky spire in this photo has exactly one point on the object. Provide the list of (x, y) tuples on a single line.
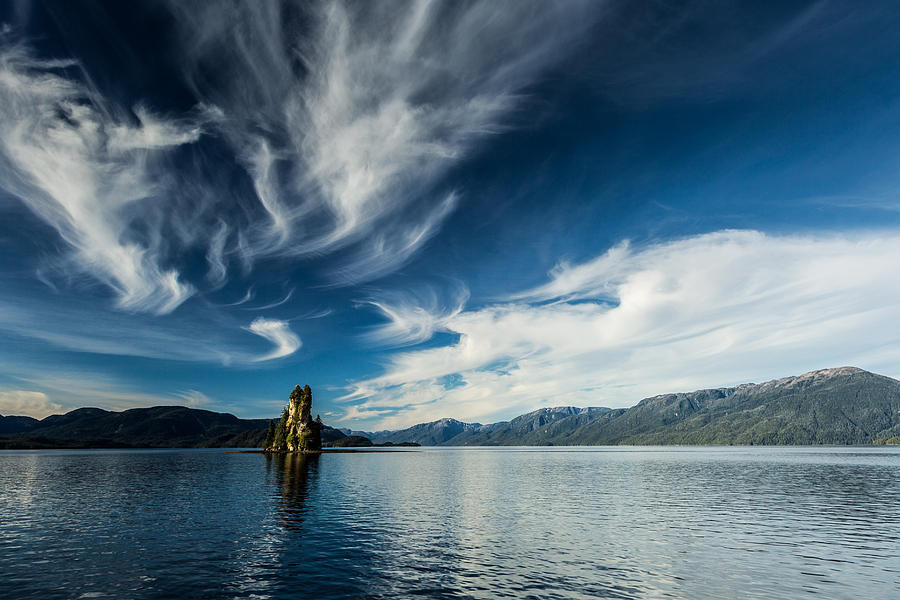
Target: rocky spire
[(297, 431), (303, 433)]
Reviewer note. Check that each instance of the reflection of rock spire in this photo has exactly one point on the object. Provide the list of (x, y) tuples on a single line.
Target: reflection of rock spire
[(297, 431), (294, 475)]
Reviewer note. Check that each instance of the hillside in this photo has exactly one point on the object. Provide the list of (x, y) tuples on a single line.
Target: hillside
[(831, 406), (15, 424), (436, 433), (156, 427)]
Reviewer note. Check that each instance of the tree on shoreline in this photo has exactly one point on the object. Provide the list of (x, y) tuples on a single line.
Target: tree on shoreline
[(279, 441), (270, 435)]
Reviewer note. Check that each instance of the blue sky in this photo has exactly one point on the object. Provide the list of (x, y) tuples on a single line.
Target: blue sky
[(430, 209)]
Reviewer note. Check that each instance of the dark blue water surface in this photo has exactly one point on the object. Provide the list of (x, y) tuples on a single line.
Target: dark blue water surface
[(689, 523)]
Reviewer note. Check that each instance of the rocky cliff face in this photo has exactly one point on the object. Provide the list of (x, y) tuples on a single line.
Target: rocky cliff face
[(297, 431), (303, 433)]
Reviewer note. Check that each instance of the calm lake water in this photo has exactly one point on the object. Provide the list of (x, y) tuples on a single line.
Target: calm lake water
[(689, 523)]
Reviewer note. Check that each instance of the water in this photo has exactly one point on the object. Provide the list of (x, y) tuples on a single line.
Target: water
[(689, 523)]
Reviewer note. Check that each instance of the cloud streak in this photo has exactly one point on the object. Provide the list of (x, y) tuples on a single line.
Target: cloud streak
[(347, 117), (715, 309), (85, 167), (279, 333), (194, 398), (344, 118), (415, 318), (205, 337)]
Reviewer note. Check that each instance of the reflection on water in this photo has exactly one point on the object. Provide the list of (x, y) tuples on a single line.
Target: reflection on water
[(294, 474), (452, 523)]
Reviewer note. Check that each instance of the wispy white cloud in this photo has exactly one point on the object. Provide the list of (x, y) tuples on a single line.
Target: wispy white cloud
[(415, 317), (194, 398), (79, 326), (84, 167), (346, 117), (710, 310), (215, 255), (275, 304), (248, 296), (279, 333)]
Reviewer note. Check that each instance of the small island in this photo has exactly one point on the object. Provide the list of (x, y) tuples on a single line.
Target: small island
[(296, 431)]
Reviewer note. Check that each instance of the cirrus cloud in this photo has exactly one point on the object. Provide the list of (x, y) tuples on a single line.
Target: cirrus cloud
[(341, 121), (279, 333), (346, 116), (86, 168), (715, 309)]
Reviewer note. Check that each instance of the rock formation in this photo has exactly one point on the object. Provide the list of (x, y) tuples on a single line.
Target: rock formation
[(297, 431)]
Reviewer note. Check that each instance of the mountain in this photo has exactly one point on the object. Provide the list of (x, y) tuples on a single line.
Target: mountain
[(845, 405), (156, 427), (832, 406), (531, 429), (16, 424), (436, 433), (369, 434)]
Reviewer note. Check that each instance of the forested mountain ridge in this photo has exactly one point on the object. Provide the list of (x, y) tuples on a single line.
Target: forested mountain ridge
[(831, 406), (155, 427)]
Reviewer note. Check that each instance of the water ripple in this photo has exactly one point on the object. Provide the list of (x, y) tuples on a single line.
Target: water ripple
[(452, 523)]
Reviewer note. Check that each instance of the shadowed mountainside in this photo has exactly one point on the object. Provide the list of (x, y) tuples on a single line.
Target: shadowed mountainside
[(156, 427)]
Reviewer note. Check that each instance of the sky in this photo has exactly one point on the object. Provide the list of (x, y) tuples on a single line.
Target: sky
[(441, 209)]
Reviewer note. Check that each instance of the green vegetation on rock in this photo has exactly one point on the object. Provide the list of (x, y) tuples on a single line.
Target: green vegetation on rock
[(279, 441), (297, 431)]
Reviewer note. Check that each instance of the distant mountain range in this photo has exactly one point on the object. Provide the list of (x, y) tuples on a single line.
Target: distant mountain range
[(527, 430), (832, 406)]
